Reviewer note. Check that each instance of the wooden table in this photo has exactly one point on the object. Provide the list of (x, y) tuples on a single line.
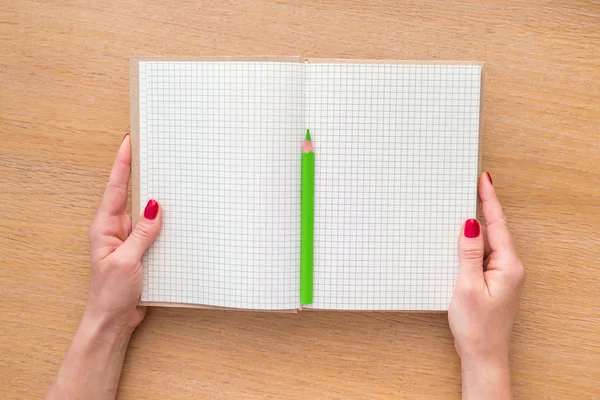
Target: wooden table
[(64, 107)]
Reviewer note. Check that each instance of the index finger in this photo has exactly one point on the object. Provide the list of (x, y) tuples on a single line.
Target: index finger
[(114, 201), (498, 235)]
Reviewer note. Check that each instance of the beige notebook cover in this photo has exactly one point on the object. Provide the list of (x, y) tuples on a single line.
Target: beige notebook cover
[(216, 141)]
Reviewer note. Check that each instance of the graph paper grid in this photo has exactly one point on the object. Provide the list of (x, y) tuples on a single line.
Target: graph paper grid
[(396, 175), (219, 150)]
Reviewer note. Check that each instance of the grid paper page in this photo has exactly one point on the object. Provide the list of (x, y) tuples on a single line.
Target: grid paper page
[(396, 174), (219, 150)]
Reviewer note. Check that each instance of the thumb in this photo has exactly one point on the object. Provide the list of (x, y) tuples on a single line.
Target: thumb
[(470, 252), (143, 234)]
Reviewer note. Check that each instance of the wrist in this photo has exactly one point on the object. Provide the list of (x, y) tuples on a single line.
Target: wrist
[(483, 363), (94, 361), (486, 376), (97, 330)]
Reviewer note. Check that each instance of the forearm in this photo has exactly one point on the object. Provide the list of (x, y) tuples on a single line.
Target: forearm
[(486, 378), (92, 366)]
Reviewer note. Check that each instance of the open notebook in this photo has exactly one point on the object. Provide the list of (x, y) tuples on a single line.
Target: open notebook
[(217, 142)]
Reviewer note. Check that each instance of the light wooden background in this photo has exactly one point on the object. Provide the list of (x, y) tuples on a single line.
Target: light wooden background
[(64, 107)]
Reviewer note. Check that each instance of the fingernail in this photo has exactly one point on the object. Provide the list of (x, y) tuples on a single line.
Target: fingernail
[(127, 134), (472, 228), (489, 178), (151, 209)]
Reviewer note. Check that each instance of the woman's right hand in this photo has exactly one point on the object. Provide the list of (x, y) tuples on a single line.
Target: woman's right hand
[(486, 299)]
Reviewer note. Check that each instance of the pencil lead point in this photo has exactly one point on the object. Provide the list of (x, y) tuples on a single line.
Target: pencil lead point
[(308, 134)]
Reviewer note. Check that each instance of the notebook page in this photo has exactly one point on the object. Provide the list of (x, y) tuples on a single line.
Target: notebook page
[(396, 175), (219, 150)]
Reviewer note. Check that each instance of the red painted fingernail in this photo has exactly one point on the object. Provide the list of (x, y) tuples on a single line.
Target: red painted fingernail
[(472, 228), (127, 134), (489, 178), (151, 209)]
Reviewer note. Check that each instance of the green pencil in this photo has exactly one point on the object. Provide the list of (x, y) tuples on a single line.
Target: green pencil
[(308, 220)]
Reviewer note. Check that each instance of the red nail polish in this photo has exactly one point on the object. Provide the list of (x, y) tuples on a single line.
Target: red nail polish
[(151, 209), (472, 228), (489, 177), (127, 134)]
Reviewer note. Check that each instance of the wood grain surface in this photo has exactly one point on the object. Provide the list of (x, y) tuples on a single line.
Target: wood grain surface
[(64, 106)]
